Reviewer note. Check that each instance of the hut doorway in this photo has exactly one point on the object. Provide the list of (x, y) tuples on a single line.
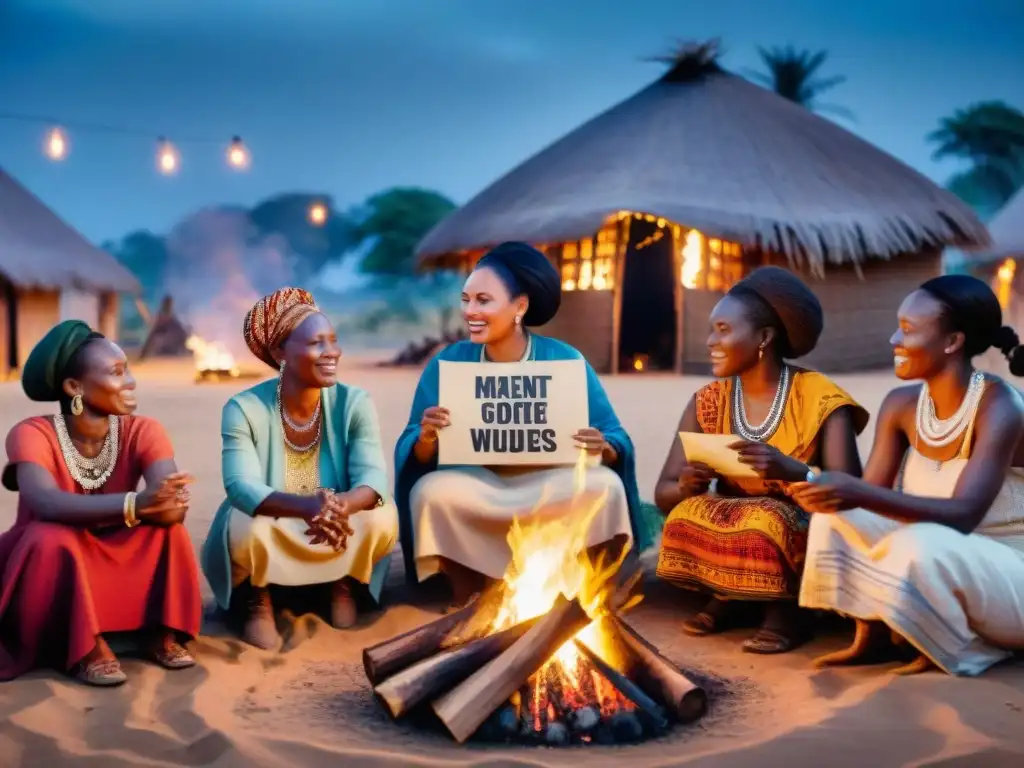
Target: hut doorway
[(647, 331)]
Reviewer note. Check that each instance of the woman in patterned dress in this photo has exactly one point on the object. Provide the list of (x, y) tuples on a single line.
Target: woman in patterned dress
[(304, 475), (89, 554), (746, 541)]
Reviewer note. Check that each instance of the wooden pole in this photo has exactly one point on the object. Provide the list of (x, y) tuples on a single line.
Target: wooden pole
[(464, 709), (620, 272), (383, 660), (678, 293), (657, 676), (434, 675)]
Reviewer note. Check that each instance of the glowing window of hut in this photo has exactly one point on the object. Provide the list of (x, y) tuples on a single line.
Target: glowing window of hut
[(1004, 282), (709, 263), (588, 264)]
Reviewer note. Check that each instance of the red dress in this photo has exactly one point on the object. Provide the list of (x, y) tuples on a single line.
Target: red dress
[(61, 586)]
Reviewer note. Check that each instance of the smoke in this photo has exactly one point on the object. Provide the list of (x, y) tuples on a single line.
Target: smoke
[(219, 264)]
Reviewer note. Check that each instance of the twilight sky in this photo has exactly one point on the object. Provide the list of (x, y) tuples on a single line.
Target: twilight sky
[(347, 97)]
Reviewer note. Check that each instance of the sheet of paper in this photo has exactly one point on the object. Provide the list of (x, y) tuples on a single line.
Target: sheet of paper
[(713, 451), (512, 414)]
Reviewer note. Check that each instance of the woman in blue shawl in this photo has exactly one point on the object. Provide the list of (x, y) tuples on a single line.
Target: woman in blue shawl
[(456, 520)]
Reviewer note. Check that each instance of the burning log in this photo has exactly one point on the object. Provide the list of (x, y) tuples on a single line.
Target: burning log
[(464, 708), (626, 687), (436, 674), (656, 675), (385, 659)]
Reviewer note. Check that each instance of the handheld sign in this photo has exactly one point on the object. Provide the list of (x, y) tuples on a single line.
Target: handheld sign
[(512, 413), (713, 450)]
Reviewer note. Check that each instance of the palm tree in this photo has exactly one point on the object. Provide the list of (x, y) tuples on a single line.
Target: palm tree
[(793, 75), (990, 135)]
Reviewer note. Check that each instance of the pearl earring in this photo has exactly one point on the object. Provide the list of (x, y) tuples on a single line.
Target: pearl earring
[(519, 320)]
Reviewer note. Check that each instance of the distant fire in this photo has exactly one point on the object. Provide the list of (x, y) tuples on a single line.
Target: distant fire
[(212, 359)]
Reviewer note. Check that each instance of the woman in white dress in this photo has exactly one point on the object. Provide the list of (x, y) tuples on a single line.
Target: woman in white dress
[(935, 565)]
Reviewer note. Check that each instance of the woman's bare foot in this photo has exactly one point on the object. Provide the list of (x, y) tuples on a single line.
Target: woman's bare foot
[(100, 667), (921, 664), (260, 629), (466, 583), (784, 628), (165, 650), (343, 605), (872, 643), (712, 619)]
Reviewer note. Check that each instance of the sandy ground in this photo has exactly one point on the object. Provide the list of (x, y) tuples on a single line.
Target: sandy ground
[(310, 704)]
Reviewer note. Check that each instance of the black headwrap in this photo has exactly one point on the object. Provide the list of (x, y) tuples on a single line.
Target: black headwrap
[(973, 309), (526, 271), (42, 376), (792, 307)]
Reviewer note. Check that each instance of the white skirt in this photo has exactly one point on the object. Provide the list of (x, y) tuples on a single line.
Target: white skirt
[(959, 598), (464, 514)]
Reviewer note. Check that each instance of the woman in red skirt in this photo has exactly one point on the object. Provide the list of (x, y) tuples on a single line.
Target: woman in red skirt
[(88, 555)]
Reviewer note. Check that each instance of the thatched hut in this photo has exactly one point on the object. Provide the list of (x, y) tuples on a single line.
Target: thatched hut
[(49, 272), (654, 208)]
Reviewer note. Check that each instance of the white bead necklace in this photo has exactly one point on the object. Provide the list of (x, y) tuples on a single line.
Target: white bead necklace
[(286, 422), (765, 429), (526, 353), (939, 433), (90, 473)]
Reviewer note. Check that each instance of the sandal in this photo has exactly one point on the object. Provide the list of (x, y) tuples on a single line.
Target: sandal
[(173, 656), (710, 621), (771, 641), (103, 673)]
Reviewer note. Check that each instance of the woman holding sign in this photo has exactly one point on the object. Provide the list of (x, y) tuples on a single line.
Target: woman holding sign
[(455, 520), (935, 568), (747, 541), (304, 475)]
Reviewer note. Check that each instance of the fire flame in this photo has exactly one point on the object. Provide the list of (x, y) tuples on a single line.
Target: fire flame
[(549, 557), (211, 356)]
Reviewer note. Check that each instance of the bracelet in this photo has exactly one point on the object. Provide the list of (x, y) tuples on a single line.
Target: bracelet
[(130, 520)]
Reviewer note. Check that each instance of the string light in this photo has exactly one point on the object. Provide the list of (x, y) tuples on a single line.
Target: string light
[(167, 159), (56, 146), (238, 155), (317, 214)]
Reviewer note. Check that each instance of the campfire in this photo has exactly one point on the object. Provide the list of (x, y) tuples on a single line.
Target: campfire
[(544, 657), (212, 360)]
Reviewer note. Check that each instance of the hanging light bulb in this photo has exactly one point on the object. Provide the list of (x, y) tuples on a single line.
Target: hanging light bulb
[(317, 214), (237, 154), (167, 159), (56, 146)]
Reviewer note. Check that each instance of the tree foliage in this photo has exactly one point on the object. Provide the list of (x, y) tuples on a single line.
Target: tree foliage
[(390, 224), (989, 135), (793, 75)]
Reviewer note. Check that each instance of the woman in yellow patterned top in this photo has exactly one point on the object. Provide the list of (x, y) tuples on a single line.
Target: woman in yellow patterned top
[(304, 474), (747, 540)]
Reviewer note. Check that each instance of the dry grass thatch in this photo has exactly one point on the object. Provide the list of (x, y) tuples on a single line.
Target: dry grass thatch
[(706, 148), (39, 250)]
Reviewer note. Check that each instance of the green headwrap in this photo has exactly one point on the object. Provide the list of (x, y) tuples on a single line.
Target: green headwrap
[(42, 377)]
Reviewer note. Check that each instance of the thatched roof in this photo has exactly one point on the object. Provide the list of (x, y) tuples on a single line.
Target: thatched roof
[(1007, 231), (705, 148), (39, 250)]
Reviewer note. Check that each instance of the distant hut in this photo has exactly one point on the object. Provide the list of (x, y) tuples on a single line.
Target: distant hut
[(49, 272), (654, 208), (1000, 264), (168, 336)]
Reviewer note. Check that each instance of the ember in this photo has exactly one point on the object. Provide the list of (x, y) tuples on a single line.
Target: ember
[(542, 658)]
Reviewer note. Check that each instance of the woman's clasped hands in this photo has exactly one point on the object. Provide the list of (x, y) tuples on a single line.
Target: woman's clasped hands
[(165, 504), (329, 525)]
